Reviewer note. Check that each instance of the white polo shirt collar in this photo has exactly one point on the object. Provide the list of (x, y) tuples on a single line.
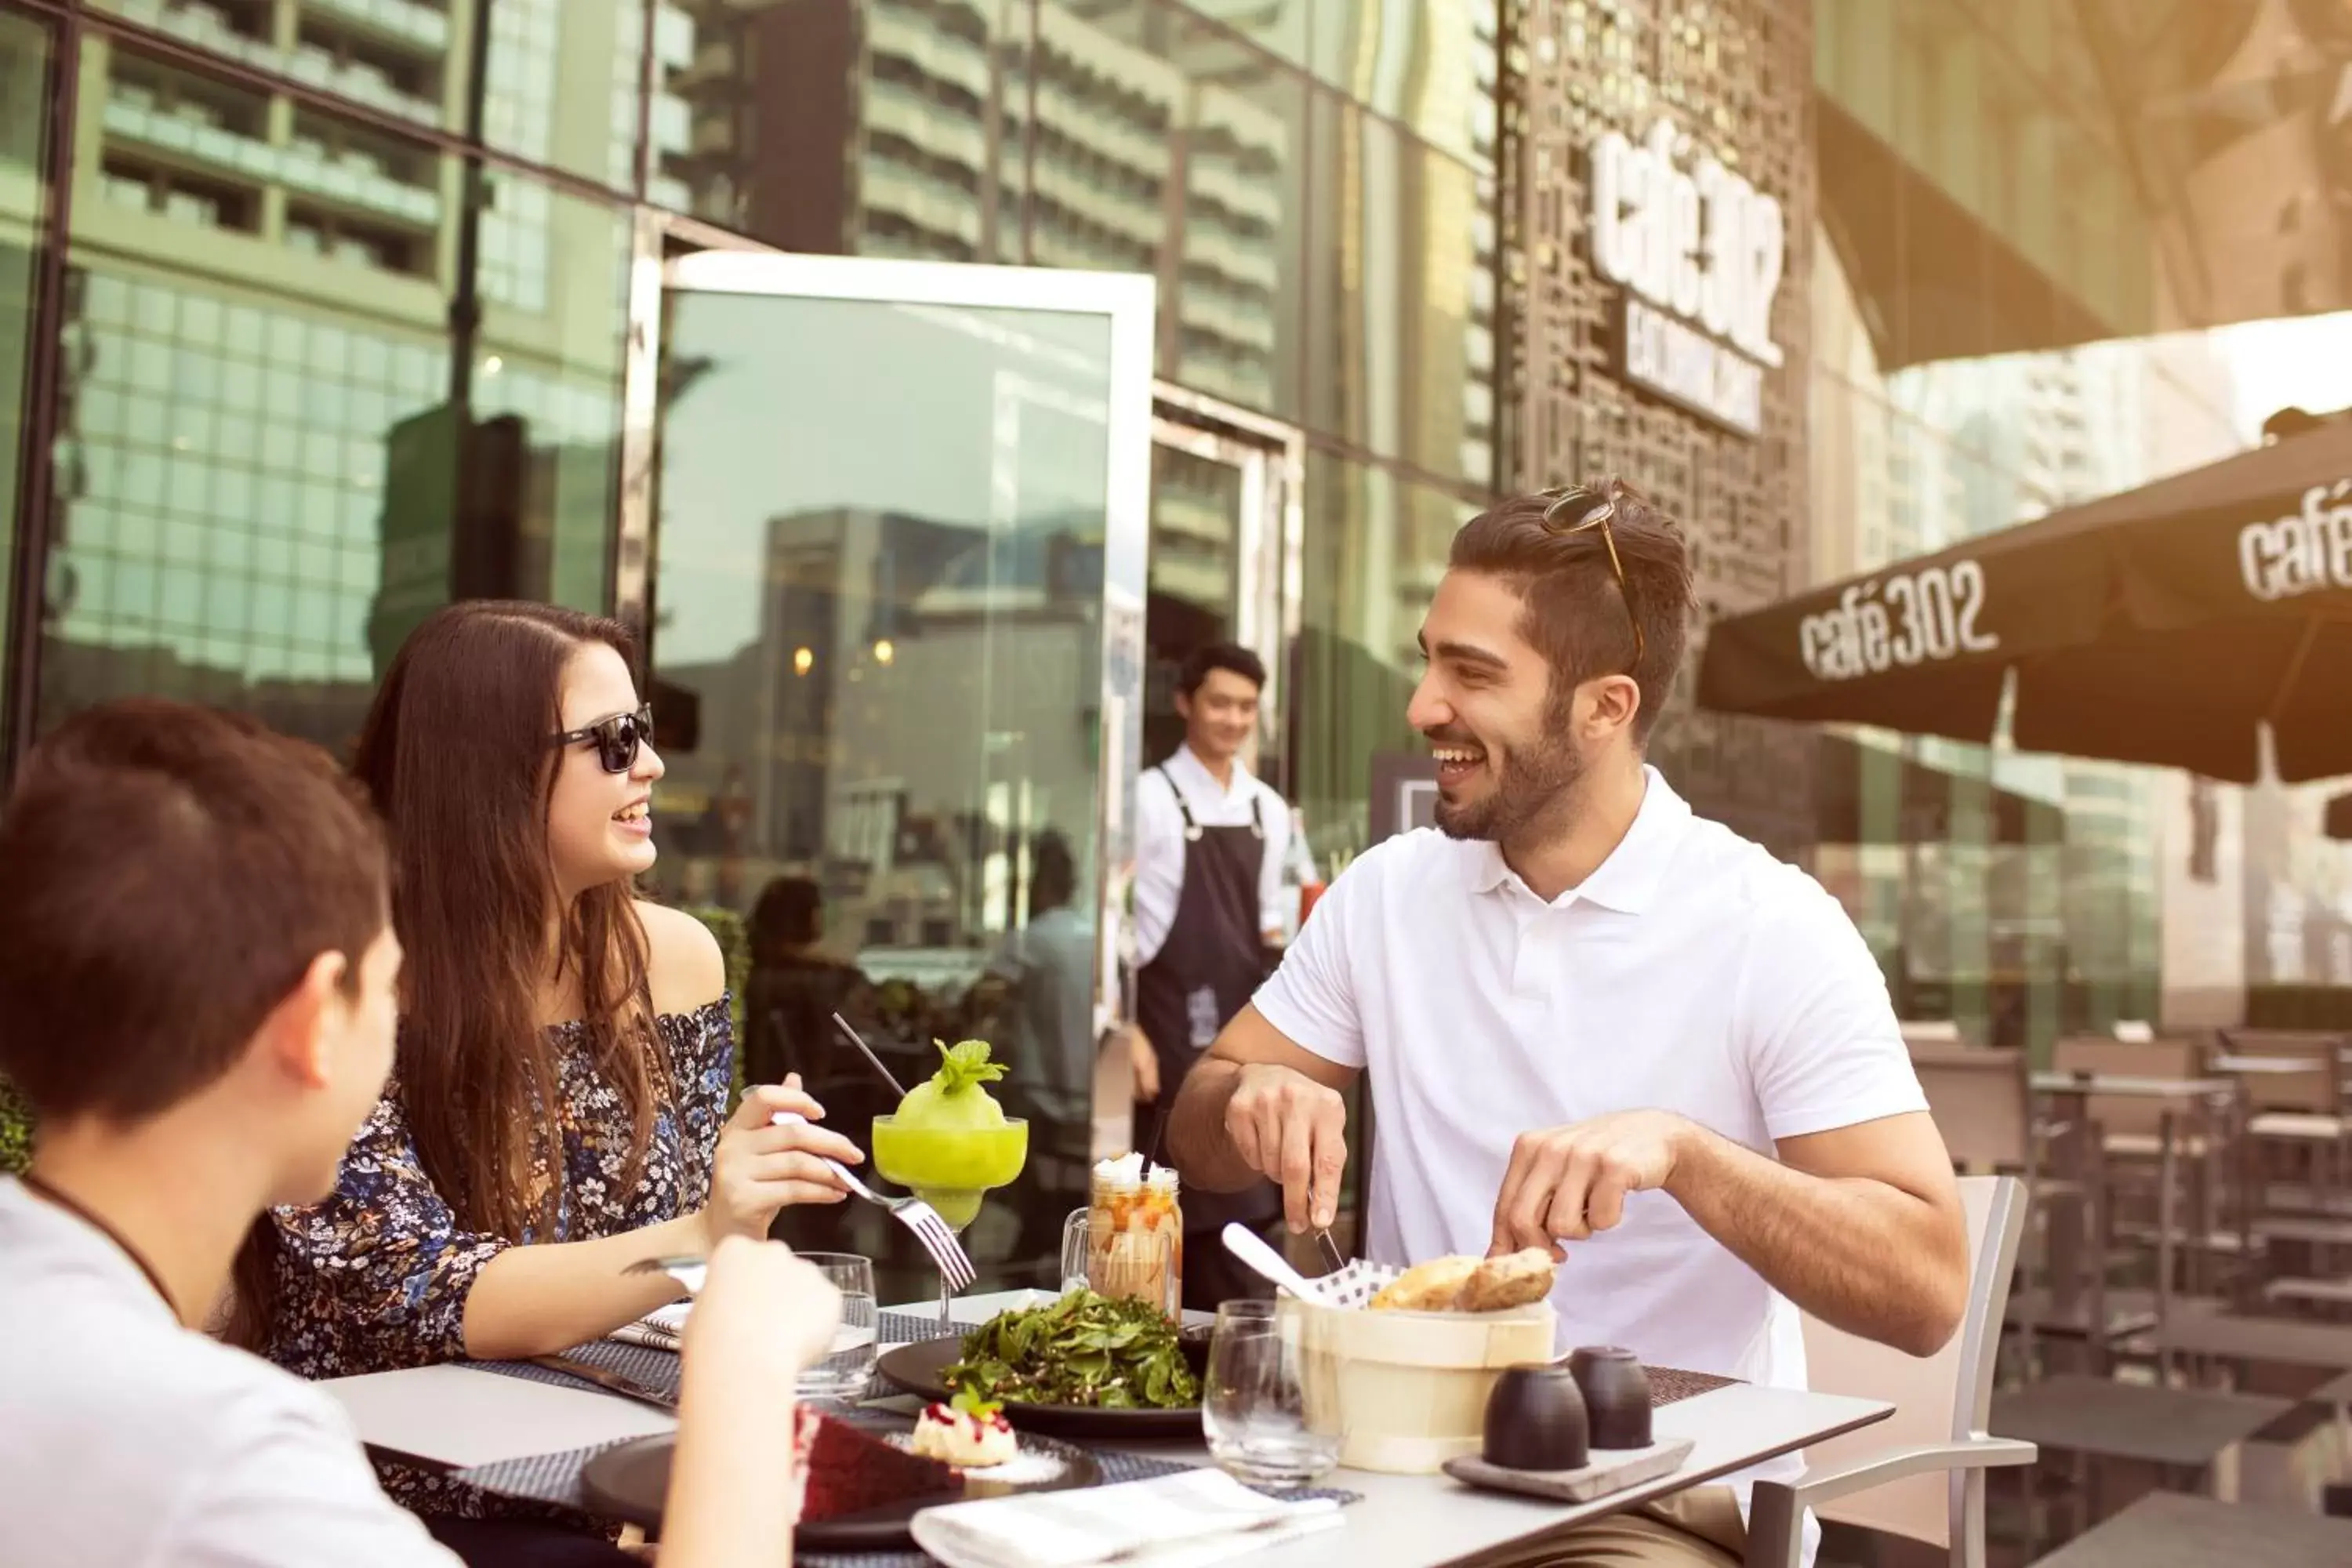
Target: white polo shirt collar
[(1628, 880)]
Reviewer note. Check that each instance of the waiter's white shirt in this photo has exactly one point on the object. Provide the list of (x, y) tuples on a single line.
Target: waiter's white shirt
[(1160, 841), (1691, 973)]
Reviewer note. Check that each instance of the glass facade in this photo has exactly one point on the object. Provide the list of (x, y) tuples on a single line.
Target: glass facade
[(307, 389), (28, 55), (341, 329), (1986, 302), (341, 320)]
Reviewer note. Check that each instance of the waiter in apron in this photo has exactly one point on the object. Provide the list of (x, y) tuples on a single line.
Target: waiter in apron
[(1210, 845)]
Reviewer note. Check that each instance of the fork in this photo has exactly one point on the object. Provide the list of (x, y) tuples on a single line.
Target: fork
[(955, 1266)]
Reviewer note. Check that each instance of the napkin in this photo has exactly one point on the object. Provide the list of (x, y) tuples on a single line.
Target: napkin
[(1193, 1517), (663, 1329)]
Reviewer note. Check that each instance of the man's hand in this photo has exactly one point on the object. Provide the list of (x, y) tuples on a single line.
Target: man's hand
[(1293, 1131), (1145, 1063), (1565, 1183)]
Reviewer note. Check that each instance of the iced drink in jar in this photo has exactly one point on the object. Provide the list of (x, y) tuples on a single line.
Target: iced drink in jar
[(1134, 1234)]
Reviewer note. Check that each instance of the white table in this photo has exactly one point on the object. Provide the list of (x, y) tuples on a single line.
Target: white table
[(460, 1417)]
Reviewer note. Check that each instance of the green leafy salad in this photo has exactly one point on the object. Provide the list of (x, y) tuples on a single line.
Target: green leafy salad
[(1084, 1349)]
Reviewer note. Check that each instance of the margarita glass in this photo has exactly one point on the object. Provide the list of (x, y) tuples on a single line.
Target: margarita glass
[(951, 1169)]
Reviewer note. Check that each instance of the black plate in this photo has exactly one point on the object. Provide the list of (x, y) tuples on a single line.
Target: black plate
[(629, 1482), (916, 1368)]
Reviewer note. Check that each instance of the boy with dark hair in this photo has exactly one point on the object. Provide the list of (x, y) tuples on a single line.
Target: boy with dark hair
[(197, 997)]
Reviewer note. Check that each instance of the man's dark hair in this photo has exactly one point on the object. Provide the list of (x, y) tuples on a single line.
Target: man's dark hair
[(171, 873), (1576, 614), (790, 913), (1230, 657)]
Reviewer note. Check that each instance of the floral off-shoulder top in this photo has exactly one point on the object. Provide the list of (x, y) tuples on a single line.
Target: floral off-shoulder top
[(375, 1277)]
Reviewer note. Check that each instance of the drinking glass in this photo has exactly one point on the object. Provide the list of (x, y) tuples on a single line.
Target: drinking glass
[(1252, 1406), (1141, 1265), (1134, 1235), (844, 1373), (952, 1169)]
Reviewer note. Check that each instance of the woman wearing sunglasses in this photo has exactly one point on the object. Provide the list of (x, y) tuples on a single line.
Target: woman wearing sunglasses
[(558, 1108)]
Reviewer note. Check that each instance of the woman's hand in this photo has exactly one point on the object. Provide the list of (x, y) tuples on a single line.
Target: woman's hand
[(760, 1168)]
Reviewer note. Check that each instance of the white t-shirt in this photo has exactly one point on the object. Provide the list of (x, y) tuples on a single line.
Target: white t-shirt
[(1691, 973), (1159, 842), (130, 1441)]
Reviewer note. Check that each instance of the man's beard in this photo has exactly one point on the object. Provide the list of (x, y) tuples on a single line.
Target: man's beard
[(1531, 786)]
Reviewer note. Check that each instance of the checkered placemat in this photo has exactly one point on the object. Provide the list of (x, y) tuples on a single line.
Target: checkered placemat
[(1669, 1386), (555, 1478), (657, 1369)]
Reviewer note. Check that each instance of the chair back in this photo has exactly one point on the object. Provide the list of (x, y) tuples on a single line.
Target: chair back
[(2122, 1113), (1982, 1103), (2320, 1091), (1938, 1398)]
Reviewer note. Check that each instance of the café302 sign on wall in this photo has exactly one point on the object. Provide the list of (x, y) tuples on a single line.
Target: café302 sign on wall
[(1699, 255)]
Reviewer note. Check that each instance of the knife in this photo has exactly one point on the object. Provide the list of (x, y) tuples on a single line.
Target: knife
[(613, 1382)]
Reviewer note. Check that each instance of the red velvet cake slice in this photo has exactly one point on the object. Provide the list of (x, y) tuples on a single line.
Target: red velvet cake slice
[(844, 1471)]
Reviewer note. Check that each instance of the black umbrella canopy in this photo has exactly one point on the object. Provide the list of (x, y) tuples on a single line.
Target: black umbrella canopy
[(2164, 625)]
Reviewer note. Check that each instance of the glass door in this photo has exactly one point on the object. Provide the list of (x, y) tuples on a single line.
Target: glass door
[(1225, 518), (890, 549)]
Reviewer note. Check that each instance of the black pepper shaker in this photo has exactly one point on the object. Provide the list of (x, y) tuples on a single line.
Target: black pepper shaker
[(1535, 1420), (1616, 1395)]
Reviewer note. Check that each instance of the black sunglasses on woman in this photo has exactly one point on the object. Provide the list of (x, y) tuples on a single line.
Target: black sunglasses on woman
[(616, 739)]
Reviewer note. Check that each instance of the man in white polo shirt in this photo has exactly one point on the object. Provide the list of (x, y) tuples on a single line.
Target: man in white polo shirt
[(1593, 1021)]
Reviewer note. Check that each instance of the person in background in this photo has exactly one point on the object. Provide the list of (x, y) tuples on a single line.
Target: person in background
[(198, 979), (1595, 1023), (795, 986), (558, 1109), (790, 997), (1048, 966), (1210, 845)]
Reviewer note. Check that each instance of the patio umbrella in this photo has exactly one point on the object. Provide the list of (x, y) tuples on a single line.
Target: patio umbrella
[(2165, 624)]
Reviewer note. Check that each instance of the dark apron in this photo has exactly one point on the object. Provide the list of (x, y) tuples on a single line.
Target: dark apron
[(1207, 970)]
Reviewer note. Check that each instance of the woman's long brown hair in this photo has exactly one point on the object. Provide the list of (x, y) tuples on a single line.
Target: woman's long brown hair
[(457, 755)]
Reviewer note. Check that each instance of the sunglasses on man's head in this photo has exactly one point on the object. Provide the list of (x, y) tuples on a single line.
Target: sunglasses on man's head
[(1578, 508), (616, 739)]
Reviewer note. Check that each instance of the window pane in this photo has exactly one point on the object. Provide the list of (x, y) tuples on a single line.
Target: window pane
[(866, 127), (276, 430), (1400, 347), (896, 669), (24, 55), (1135, 97), (1432, 65), (405, 58), (1375, 547)]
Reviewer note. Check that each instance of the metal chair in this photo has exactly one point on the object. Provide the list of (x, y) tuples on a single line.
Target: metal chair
[(1920, 1474)]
